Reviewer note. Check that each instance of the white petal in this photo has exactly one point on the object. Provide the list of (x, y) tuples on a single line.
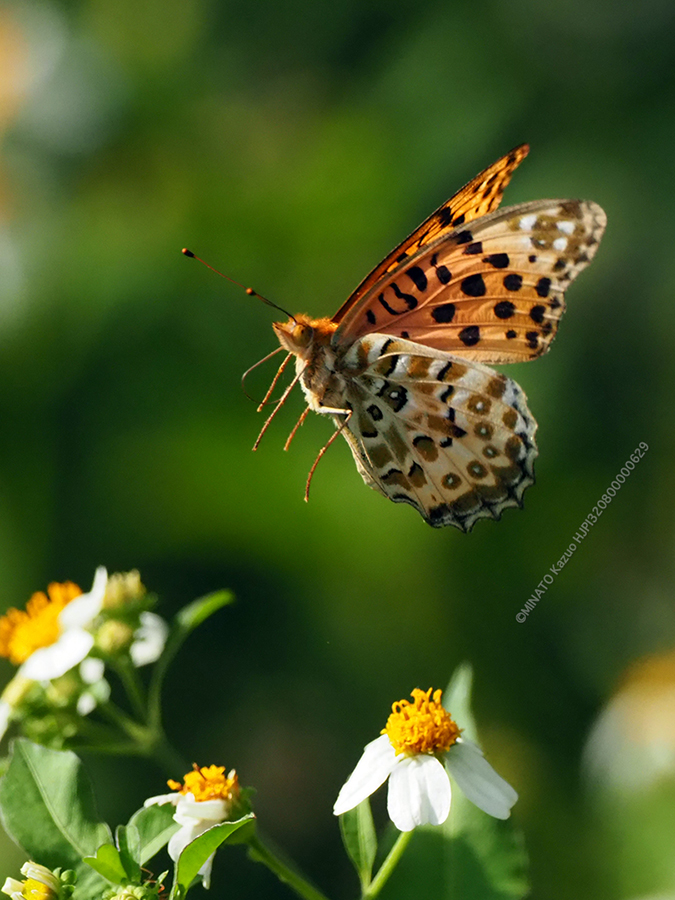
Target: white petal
[(179, 841), (91, 670), (372, 770), (419, 793), (5, 713), (161, 799), (479, 781), (54, 661), (205, 872), (189, 810), (149, 639), (13, 888), (81, 611)]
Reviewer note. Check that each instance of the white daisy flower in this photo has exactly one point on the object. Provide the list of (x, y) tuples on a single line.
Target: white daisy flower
[(207, 797), (418, 750), (40, 883), (50, 637)]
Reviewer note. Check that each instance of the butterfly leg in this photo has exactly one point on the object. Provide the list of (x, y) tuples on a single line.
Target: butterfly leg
[(329, 411), (295, 428), (276, 409), (274, 380)]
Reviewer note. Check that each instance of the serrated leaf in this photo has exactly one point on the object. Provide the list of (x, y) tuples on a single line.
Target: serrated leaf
[(360, 841), (107, 862), (128, 842), (198, 851), (47, 806), (155, 826)]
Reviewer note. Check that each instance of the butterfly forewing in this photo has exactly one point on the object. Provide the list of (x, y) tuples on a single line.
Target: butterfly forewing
[(492, 292), (477, 198), (450, 437)]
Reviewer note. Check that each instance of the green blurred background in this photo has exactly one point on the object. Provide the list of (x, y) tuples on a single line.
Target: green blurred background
[(292, 144)]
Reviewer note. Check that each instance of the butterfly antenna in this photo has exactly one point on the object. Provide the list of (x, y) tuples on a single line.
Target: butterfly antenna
[(255, 366), (276, 409), (274, 382), (336, 433), (248, 290)]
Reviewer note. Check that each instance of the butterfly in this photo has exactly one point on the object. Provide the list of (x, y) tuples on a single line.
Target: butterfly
[(403, 367)]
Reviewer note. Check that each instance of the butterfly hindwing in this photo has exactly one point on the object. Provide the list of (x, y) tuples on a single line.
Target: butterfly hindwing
[(480, 196), (492, 292), (450, 437)]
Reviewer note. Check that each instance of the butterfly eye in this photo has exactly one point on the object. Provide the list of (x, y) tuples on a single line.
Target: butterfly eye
[(303, 334)]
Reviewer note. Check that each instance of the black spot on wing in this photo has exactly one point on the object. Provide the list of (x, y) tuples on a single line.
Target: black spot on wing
[(410, 301), (470, 335), (418, 278), (513, 281), (543, 286), (498, 260), (442, 272), (370, 315), (464, 237), (504, 309), (473, 285), (474, 249), (443, 313), (537, 314)]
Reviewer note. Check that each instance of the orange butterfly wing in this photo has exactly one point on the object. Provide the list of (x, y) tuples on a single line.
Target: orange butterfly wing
[(480, 196), (491, 292)]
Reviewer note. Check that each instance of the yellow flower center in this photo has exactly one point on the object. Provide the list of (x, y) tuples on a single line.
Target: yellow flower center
[(22, 632), (36, 890), (208, 783), (422, 726)]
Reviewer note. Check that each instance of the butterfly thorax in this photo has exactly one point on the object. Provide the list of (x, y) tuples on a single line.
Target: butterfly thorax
[(309, 340)]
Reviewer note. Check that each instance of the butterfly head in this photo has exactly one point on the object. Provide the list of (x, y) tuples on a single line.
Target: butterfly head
[(300, 334)]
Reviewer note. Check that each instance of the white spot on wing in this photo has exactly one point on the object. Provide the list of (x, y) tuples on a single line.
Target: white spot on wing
[(567, 227), (527, 222), (560, 243)]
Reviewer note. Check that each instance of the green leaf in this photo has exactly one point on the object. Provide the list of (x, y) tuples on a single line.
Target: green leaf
[(155, 825), (457, 700), (360, 840), (198, 851), (107, 862), (47, 806), (192, 615), (128, 842)]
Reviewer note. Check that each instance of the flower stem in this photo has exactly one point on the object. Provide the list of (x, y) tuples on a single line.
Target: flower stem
[(132, 684), (388, 865), (260, 853)]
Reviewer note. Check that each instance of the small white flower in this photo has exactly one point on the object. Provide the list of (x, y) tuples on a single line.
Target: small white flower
[(149, 639), (73, 642), (40, 882), (420, 747), (207, 798)]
